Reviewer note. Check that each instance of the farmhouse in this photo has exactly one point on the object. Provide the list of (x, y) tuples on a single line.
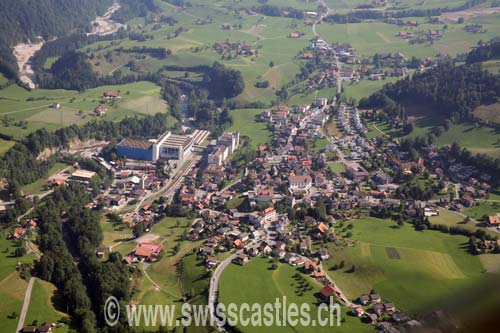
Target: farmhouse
[(494, 221)]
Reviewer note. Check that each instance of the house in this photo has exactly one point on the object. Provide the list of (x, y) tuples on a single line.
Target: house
[(358, 311), (375, 298), (300, 182), (389, 307), (148, 251), (328, 291), (28, 329), (238, 244), (378, 308), (310, 266), (494, 221), (364, 299), (241, 259), (399, 317), (111, 95), (19, 232), (323, 254), (100, 110), (253, 252), (268, 214), (211, 262), (294, 35), (45, 328), (100, 252), (207, 251), (467, 200)]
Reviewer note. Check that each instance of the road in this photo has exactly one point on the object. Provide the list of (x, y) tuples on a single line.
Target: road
[(214, 285), (26, 304)]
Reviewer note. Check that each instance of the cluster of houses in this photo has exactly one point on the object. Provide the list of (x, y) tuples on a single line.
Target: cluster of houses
[(350, 121), (108, 97), (45, 327), (475, 28), (239, 47), (384, 315)]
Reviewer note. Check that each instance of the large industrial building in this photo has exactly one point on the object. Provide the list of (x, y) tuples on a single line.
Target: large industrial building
[(168, 146)]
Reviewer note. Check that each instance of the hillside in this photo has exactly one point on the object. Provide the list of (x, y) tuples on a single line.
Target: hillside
[(26, 20)]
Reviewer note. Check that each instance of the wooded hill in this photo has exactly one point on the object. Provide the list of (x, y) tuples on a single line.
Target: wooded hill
[(25, 20)]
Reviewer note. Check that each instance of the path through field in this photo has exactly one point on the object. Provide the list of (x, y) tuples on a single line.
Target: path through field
[(26, 304)]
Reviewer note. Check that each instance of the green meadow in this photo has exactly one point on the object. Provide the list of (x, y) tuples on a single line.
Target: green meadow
[(377, 37), (244, 121), (256, 282), (412, 269), (33, 107), (41, 308)]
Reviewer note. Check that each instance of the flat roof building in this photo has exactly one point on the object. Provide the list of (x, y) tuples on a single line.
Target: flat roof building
[(167, 147)]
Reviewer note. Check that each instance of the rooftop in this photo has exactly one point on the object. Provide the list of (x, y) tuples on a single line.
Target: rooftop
[(141, 144)]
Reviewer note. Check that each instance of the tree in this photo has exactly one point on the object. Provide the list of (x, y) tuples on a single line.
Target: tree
[(138, 230)]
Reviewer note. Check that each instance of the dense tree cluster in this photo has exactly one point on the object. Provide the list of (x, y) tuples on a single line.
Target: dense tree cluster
[(223, 82), (83, 287), (133, 8), (454, 90), (272, 10), (355, 16), (485, 52), (22, 21)]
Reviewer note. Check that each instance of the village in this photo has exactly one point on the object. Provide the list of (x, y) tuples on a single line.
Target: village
[(292, 196)]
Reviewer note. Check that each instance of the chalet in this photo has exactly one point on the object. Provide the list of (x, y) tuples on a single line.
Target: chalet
[(323, 254)]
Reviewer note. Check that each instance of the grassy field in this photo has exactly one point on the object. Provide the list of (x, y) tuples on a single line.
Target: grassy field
[(488, 113), (337, 167), (477, 138), (5, 145), (449, 218), (428, 261), (12, 290), (8, 261), (364, 88), (244, 122), (483, 208), (256, 283), (171, 274), (18, 104), (377, 37), (41, 308), (38, 186)]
